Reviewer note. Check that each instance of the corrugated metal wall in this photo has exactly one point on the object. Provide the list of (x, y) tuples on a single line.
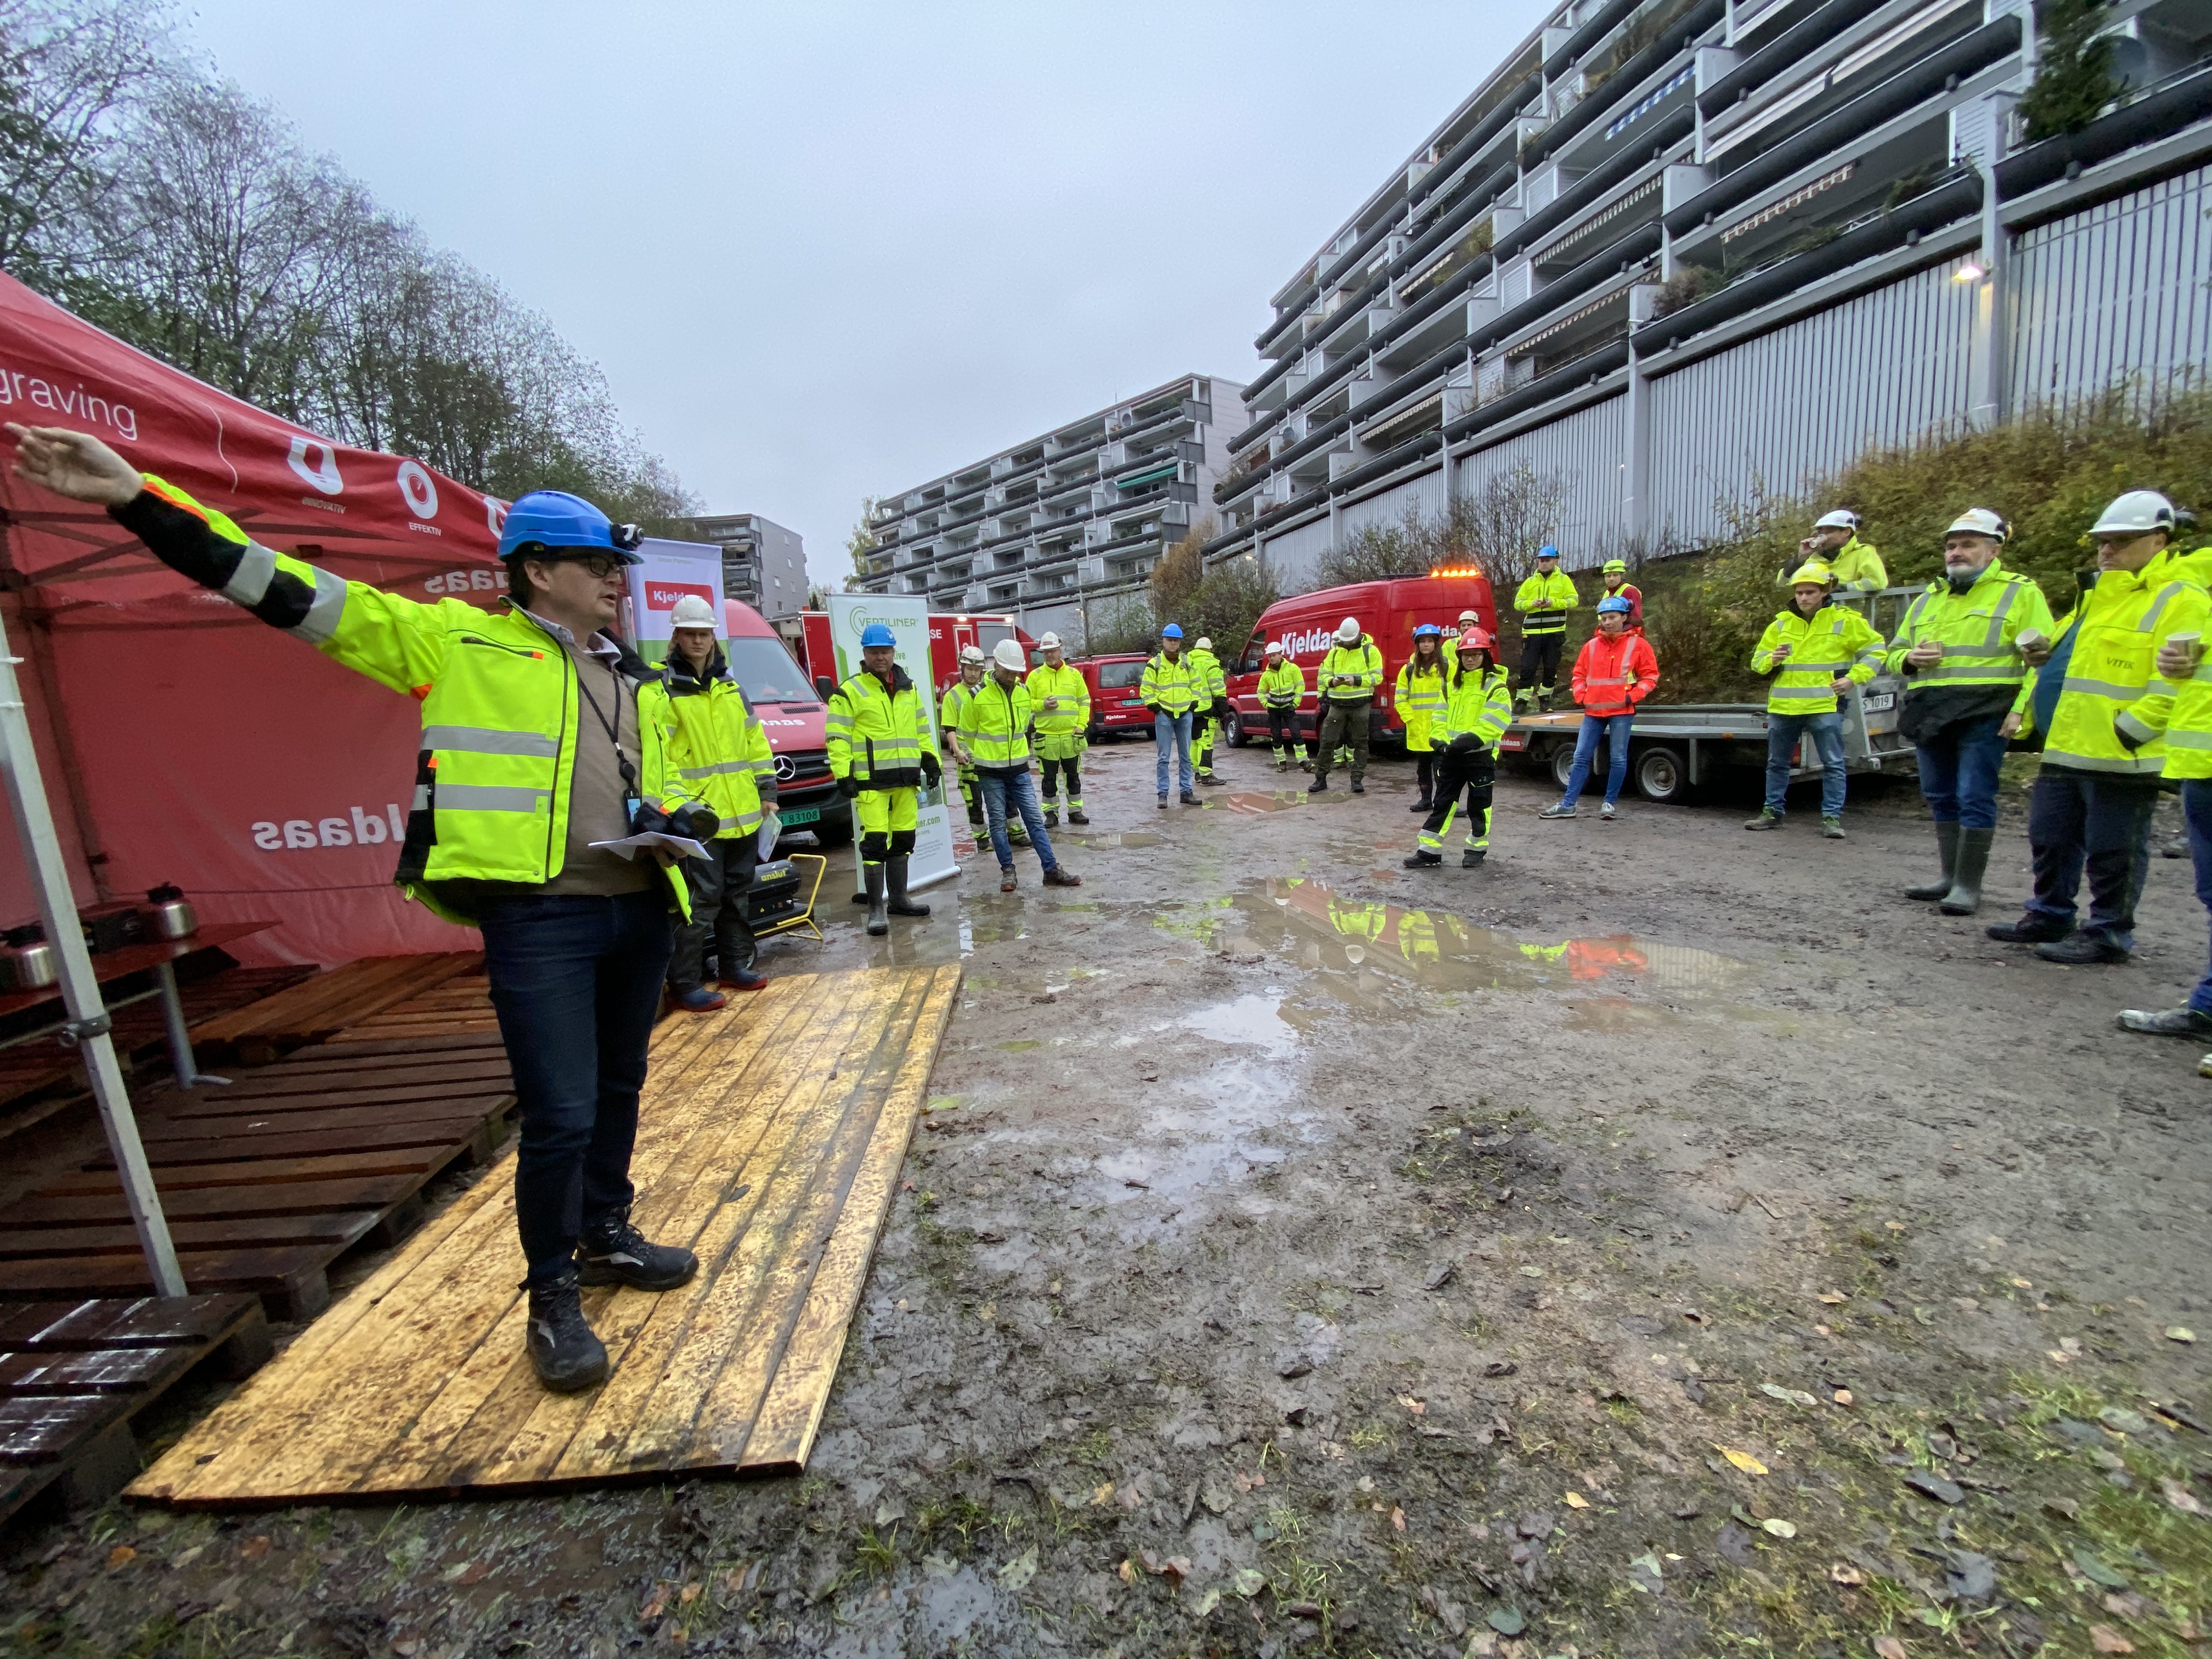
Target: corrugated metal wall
[(1295, 555), (1589, 453), (1887, 367), (1425, 495), (2113, 294)]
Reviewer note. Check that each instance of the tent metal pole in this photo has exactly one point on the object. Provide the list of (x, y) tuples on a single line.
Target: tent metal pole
[(89, 1024)]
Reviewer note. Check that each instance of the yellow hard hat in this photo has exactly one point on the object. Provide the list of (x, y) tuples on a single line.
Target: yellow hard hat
[(1819, 575)]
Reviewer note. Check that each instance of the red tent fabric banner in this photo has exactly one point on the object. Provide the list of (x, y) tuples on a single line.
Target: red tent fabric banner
[(206, 749)]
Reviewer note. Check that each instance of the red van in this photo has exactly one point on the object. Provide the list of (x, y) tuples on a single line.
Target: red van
[(1117, 706), (791, 709), (1389, 611)]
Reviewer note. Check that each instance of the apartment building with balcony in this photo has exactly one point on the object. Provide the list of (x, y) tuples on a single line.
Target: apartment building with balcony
[(1673, 253), (763, 563), (1062, 523)]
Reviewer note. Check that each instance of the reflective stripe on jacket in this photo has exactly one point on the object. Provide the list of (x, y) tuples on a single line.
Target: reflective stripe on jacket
[(1834, 640), (1613, 673), (1479, 703), (2112, 708), (499, 695), (877, 737), (1421, 699), (1283, 686), (1175, 686), (1856, 565), (994, 725), (2189, 729), (1212, 683), (1978, 630), (717, 745), (1544, 601), (1362, 662)]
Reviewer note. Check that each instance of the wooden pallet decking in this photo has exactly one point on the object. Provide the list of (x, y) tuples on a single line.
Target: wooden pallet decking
[(329, 1002), (72, 1377), (268, 1181), (770, 1143)]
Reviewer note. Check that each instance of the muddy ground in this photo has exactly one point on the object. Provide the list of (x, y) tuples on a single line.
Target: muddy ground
[(1661, 1241)]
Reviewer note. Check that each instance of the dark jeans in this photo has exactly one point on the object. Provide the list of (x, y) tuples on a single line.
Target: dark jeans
[(1005, 791), (1826, 732), (1540, 660), (1345, 723), (576, 983), (1614, 728), (2079, 821), (718, 890), (1959, 767), (2196, 811)]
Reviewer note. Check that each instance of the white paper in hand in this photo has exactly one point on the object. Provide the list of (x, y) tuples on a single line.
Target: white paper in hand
[(654, 840)]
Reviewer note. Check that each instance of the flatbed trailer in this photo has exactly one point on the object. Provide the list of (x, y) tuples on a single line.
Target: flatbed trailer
[(1673, 750)]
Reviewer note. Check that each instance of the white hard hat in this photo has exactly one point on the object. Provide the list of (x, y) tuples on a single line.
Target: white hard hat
[(1049, 642), (691, 611), (1841, 518), (1980, 521), (1347, 631), (2136, 514), (1469, 617), (1008, 654), (971, 654), (1275, 647)]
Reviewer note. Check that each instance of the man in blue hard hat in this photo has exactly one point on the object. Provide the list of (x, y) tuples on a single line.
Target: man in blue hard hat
[(881, 751), (533, 758), (1171, 687)]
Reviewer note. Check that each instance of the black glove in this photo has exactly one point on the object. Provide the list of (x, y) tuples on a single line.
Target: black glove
[(1465, 743), (931, 768), (1153, 709), (694, 821), (1221, 708), (849, 787)]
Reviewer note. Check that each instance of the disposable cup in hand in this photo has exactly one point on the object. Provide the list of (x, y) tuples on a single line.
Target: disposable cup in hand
[(2028, 638)]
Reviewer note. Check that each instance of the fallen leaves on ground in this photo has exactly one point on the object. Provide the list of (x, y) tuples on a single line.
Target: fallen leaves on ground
[(2106, 1640), (1576, 1501), (1015, 1576), (253, 1548), (1779, 1528), (121, 1556), (1743, 1460), (1841, 1573), (1888, 1647)]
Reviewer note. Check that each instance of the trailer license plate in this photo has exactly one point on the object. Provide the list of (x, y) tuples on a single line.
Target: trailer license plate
[(1881, 703), (798, 815)]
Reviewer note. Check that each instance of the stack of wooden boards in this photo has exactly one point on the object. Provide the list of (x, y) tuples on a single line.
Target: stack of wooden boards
[(74, 1374), (770, 1142), (267, 1180)]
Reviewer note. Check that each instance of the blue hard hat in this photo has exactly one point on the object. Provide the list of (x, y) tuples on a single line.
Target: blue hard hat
[(554, 520), (1614, 602), (878, 634), (1428, 627), (1548, 552), (1171, 632)]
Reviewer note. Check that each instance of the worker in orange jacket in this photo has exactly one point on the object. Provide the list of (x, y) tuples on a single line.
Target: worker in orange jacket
[(1616, 671)]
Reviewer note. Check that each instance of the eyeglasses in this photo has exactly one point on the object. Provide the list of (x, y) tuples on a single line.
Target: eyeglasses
[(600, 565)]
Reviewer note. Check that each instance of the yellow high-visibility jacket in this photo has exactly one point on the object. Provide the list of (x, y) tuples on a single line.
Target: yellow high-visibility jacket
[(877, 736), (1978, 630), (1834, 640), (994, 725), (1061, 734), (718, 746), (2112, 708), (1362, 663), (1175, 687), (1421, 700), (1283, 686), (1544, 601), (1480, 704), (2188, 728)]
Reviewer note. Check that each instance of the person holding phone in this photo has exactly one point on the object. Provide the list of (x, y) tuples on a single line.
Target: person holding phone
[(1061, 697), (537, 745)]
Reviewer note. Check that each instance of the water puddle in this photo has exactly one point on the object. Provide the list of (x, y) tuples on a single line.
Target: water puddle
[(1203, 1139), (1257, 1020), (1247, 800), (1127, 838)]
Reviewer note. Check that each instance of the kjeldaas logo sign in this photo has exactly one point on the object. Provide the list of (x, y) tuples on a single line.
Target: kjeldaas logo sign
[(663, 595)]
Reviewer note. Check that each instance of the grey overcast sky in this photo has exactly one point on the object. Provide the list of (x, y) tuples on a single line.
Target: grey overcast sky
[(826, 250)]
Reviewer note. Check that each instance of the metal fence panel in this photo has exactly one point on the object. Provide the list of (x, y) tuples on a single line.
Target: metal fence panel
[(2115, 293), (1587, 452), (1424, 495), (1296, 554)]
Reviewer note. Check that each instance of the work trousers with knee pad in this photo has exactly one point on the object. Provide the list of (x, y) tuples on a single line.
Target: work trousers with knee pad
[(888, 817), (1055, 770), (1475, 774)]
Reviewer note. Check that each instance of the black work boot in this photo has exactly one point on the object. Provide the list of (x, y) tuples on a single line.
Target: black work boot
[(1423, 860), (880, 921), (612, 1252), (1966, 895), (1472, 858), (900, 904), (1075, 815), (1946, 849), (2030, 929), (564, 1351)]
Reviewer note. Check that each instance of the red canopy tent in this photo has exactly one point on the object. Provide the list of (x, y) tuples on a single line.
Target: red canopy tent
[(184, 740)]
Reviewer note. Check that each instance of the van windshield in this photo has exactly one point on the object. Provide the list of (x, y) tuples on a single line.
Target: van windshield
[(767, 671)]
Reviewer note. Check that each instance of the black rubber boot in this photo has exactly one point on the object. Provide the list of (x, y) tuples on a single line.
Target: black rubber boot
[(1472, 858), (1946, 848), (612, 1252), (900, 904), (1966, 895), (564, 1351), (880, 921)]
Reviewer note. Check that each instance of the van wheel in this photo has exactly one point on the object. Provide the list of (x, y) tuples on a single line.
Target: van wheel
[(1660, 775), (1236, 738)]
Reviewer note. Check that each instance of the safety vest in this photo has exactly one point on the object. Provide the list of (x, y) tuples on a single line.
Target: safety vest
[(1283, 686), (2113, 707), (1856, 565), (1543, 602), (1068, 684), (994, 725), (1834, 640), (718, 747), (1420, 701), (499, 696), (1177, 687), (1363, 662), (1978, 630), (877, 737), (1211, 681), (1480, 704), (2189, 729), (1613, 673), (948, 712)]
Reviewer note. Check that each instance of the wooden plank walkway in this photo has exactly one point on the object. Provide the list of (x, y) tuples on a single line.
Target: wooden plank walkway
[(770, 1143), (269, 1180), (72, 1377), (329, 1002)]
